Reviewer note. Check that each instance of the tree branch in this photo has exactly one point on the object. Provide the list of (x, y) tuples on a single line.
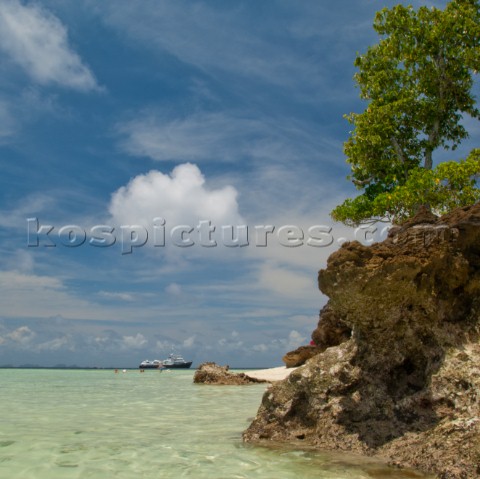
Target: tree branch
[(362, 182), (398, 150)]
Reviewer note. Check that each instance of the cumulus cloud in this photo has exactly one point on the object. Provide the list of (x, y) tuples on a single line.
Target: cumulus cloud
[(134, 342), (180, 198), (282, 345), (37, 41), (112, 341), (22, 335), (295, 339), (260, 348), (232, 343)]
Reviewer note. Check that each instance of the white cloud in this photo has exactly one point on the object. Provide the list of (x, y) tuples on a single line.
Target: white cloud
[(295, 339), (230, 344), (134, 342), (286, 282), (164, 345), (29, 206), (189, 342), (117, 295), (199, 137), (282, 345), (38, 42), (56, 344), (223, 136), (233, 342), (180, 198), (28, 295), (22, 335), (24, 294), (174, 289), (260, 348), (14, 281), (21, 261)]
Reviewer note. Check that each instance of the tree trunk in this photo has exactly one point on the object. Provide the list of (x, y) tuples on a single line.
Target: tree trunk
[(428, 164), (432, 144)]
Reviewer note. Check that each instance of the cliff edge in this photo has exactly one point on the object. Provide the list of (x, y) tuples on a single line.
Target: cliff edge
[(405, 384)]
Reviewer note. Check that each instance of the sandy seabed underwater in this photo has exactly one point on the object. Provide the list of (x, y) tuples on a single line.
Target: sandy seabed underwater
[(66, 424)]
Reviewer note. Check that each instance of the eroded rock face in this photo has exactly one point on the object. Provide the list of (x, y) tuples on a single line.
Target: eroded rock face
[(406, 385), (211, 373), (300, 356), (331, 331)]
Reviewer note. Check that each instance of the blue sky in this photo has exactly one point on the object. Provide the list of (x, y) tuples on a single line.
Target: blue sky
[(115, 113)]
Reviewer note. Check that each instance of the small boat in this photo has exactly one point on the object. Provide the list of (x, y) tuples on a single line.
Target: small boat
[(176, 361), (155, 364)]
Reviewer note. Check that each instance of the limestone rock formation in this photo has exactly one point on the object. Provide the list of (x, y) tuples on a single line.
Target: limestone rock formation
[(211, 373), (300, 355), (331, 331), (406, 385)]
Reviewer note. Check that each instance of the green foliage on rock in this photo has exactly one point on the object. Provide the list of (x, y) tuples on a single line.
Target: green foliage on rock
[(450, 185), (418, 83)]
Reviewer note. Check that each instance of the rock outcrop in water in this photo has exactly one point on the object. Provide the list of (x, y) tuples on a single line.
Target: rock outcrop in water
[(211, 373), (405, 384)]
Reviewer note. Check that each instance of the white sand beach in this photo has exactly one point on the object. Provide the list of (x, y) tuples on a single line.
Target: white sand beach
[(271, 374)]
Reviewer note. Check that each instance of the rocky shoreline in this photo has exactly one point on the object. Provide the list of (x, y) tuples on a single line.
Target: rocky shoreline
[(397, 374), (212, 373)]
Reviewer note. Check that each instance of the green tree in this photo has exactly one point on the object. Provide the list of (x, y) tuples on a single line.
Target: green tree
[(418, 82)]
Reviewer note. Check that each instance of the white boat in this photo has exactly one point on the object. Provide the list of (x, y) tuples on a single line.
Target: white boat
[(155, 364), (176, 361)]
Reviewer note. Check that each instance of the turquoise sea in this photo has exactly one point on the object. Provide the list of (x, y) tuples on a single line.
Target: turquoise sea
[(96, 424)]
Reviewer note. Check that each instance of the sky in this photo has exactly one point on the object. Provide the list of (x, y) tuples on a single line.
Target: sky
[(167, 173)]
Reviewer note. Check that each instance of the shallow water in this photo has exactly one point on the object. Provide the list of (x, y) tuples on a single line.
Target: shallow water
[(69, 424)]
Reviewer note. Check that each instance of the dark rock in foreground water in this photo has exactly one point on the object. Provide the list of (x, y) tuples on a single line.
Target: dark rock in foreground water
[(211, 373), (406, 385)]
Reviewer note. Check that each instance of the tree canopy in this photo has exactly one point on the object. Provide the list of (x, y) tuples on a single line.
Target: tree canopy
[(418, 82)]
